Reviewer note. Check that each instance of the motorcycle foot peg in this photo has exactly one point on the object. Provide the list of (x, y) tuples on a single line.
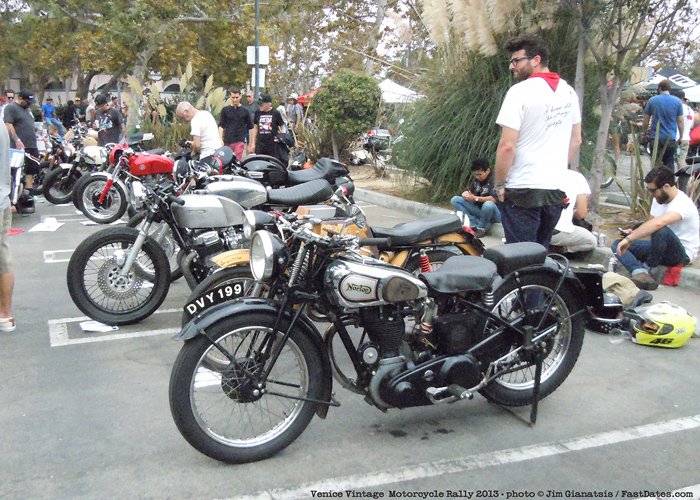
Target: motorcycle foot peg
[(450, 394), (460, 392)]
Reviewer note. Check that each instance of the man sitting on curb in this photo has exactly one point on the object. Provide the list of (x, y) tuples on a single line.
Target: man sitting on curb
[(479, 203), (673, 229), (570, 237)]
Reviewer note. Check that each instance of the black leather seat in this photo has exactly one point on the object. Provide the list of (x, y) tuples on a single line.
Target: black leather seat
[(461, 273), (511, 257), (324, 168), (308, 193), (410, 233)]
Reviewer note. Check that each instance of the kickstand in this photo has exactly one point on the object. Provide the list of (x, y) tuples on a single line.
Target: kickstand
[(536, 387)]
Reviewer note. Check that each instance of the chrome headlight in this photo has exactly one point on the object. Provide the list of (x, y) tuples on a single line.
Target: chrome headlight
[(268, 254), (255, 220)]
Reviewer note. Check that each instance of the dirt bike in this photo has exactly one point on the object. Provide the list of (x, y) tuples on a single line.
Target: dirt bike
[(121, 275), (253, 372)]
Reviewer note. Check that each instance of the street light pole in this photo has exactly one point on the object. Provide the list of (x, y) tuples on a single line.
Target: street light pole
[(257, 47)]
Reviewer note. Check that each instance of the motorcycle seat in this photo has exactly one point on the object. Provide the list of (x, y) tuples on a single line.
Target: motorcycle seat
[(509, 258), (324, 168), (461, 273), (410, 233), (308, 193), (156, 151)]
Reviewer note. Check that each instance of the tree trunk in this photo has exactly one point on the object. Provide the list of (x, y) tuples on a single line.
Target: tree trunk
[(140, 69), (115, 78), (82, 86), (374, 37), (336, 155), (579, 83), (608, 99)]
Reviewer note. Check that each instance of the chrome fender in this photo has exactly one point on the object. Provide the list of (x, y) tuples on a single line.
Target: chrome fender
[(263, 306)]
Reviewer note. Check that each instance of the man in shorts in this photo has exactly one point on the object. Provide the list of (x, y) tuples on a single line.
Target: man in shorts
[(7, 277)]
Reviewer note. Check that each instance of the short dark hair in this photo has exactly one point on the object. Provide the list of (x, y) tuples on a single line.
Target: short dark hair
[(100, 100), (665, 86), (531, 44), (480, 165), (661, 176)]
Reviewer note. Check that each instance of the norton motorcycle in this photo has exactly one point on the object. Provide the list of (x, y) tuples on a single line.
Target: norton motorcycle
[(253, 372)]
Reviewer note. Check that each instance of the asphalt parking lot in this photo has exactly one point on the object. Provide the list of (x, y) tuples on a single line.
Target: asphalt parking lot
[(86, 415)]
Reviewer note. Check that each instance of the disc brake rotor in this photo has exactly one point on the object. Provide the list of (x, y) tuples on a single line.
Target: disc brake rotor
[(117, 286)]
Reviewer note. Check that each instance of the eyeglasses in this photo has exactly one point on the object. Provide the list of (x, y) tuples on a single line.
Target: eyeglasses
[(516, 60), (652, 190), (10, 97)]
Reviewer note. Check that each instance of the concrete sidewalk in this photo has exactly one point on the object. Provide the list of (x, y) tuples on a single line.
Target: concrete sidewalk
[(689, 280)]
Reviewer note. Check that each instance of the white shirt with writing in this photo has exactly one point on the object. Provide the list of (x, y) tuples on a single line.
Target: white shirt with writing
[(687, 229), (544, 119)]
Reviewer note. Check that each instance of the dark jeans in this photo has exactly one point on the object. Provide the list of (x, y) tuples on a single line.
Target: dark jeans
[(529, 224), (667, 152), (664, 249)]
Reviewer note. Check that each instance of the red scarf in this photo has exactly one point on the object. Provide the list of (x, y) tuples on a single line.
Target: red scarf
[(552, 79)]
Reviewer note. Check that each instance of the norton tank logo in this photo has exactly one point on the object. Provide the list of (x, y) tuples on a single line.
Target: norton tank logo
[(352, 287), (255, 175), (358, 288)]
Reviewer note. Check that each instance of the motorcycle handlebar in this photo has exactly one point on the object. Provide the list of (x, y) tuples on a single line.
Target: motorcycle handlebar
[(374, 242), (175, 199)]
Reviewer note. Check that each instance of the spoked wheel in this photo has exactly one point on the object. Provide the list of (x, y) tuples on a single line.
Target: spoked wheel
[(112, 206), (562, 346), (59, 184), (100, 288), (229, 414), (163, 235)]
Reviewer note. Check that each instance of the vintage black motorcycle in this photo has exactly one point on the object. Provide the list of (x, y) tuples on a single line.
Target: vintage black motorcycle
[(253, 372)]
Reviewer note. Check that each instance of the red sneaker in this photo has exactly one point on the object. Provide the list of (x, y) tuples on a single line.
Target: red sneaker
[(673, 274)]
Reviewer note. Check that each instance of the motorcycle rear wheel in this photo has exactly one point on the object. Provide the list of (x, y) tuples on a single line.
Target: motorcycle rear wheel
[(110, 209), (436, 257), (219, 412), (99, 291), (59, 184), (516, 388)]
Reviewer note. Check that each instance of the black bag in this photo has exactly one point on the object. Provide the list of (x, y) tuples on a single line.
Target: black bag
[(584, 224)]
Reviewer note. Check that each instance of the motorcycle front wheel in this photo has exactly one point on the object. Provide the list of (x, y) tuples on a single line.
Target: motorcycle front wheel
[(226, 413), (112, 206), (526, 305), (100, 290), (59, 184)]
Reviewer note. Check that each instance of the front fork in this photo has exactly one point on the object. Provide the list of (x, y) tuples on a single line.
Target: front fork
[(136, 248)]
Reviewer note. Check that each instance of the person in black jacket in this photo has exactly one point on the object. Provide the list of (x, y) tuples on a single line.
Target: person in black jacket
[(479, 201), (69, 117)]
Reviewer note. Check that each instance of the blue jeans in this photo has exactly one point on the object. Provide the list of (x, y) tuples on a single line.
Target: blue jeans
[(529, 224), (54, 121), (664, 249), (481, 217)]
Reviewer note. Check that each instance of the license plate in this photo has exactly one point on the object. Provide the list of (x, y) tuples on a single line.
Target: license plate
[(221, 293)]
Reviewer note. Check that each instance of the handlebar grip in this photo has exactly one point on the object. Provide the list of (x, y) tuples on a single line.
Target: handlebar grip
[(175, 199), (374, 242)]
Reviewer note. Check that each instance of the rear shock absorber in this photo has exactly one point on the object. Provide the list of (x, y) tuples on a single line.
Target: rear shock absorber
[(424, 261)]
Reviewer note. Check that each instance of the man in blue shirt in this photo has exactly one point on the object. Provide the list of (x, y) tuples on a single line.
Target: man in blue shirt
[(666, 113), (50, 116)]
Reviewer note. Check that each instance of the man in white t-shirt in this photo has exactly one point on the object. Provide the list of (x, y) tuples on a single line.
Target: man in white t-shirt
[(570, 237), (540, 120), (673, 229), (204, 129), (688, 119)]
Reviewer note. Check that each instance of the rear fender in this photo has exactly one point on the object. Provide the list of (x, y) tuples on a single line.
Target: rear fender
[(550, 268), (262, 306)]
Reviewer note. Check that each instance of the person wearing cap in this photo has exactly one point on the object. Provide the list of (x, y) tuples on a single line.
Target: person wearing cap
[(204, 129), (295, 113), (108, 122), (49, 113), (20, 125), (267, 124), (235, 124)]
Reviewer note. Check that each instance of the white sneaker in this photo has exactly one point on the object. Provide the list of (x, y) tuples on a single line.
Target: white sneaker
[(7, 325)]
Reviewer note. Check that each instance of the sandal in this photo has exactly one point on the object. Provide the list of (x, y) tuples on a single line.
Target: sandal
[(7, 324)]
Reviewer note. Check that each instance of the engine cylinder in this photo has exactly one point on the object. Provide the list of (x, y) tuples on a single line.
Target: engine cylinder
[(383, 329)]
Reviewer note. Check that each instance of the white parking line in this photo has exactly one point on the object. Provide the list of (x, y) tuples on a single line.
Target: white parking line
[(58, 331), (53, 257), (457, 465)]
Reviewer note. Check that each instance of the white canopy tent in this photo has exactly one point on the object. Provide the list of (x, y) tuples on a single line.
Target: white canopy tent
[(393, 93), (692, 94)]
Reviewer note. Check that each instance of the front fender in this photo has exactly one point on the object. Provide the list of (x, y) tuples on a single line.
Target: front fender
[(263, 306)]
